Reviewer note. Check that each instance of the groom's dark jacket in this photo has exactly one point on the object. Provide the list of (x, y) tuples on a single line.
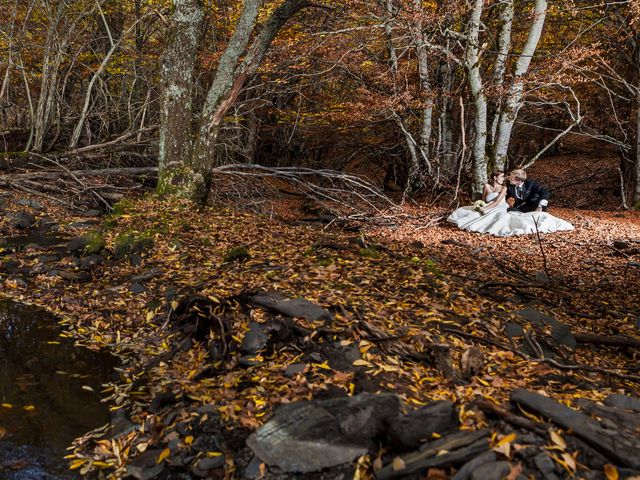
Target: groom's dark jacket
[(529, 197)]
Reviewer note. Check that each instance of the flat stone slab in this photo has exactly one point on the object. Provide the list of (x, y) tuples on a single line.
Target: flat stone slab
[(559, 331), (297, 307), (313, 435)]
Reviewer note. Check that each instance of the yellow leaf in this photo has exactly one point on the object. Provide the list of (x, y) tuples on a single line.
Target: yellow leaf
[(214, 454), (570, 461), (611, 472), (77, 463), (7, 405), (557, 439), (508, 439), (174, 304), (362, 363), (398, 464), (28, 408), (165, 453), (87, 388), (188, 439)]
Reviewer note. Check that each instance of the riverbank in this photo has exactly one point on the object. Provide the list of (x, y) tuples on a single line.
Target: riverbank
[(394, 311)]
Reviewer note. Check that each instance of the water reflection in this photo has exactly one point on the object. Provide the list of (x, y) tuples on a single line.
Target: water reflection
[(48, 386)]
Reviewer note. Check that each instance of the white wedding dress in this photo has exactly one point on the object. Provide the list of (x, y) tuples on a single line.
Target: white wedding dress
[(501, 223)]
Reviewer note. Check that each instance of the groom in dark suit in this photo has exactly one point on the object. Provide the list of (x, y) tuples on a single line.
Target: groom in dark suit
[(527, 195)]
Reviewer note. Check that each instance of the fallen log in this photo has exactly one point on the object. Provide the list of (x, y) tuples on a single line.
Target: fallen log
[(611, 340), (459, 447), (621, 449), (492, 409)]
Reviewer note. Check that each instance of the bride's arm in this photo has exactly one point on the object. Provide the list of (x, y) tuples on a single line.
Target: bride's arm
[(498, 199), (485, 192)]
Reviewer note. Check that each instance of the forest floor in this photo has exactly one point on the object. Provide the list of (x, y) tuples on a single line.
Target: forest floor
[(415, 307)]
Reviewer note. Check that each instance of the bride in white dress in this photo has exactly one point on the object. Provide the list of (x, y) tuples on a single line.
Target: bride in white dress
[(494, 219)]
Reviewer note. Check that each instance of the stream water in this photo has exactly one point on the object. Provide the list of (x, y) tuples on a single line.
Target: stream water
[(49, 393)]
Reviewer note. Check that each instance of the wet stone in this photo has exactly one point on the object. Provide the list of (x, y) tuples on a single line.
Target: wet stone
[(544, 463), (309, 436), (293, 369), (211, 463), (92, 213), (491, 471), (408, 431), (145, 466), (23, 220), (254, 340), (137, 288), (25, 202), (248, 361), (90, 261)]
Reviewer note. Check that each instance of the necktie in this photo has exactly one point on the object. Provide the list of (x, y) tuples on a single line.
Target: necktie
[(519, 191)]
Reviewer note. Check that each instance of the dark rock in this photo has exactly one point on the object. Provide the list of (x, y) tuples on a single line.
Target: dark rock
[(184, 428), (544, 463), (211, 463), (623, 401), (248, 361), (253, 468), (469, 467), (145, 466), (162, 400), (135, 259), (25, 202), (90, 261), (294, 369), (92, 213), (452, 450), (513, 330), (621, 244), (408, 431), (298, 307), (491, 471), (312, 435), (73, 276), (148, 275), (559, 331), (237, 254), (254, 340), (137, 288), (316, 357), (23, 220)]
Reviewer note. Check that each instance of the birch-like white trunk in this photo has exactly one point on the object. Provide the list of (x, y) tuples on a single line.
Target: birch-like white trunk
[(513, 101), (500, 65), (472, 64)]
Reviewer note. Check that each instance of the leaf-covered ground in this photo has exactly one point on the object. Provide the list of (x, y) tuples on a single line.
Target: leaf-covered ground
[(395, 292)]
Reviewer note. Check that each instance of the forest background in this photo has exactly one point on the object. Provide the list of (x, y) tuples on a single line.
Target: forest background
[(422, 96)]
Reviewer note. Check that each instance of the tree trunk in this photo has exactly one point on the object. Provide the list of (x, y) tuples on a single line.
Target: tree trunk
[(176, 108), (228, 83), (472, 64), (499, 68), (513, 102)]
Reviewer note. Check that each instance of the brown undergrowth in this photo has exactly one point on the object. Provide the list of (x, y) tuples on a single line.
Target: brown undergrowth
[(395, 291)]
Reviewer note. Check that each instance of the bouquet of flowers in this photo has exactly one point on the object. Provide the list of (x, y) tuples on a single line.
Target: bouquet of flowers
[(478, 206)]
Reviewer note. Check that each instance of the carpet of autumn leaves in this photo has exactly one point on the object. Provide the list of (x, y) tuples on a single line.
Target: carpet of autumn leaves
[(400, 280)]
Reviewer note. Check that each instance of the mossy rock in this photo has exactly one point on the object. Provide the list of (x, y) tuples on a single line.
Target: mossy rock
[(130, 243), (90, 243), (369, 252), (237, 254)]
